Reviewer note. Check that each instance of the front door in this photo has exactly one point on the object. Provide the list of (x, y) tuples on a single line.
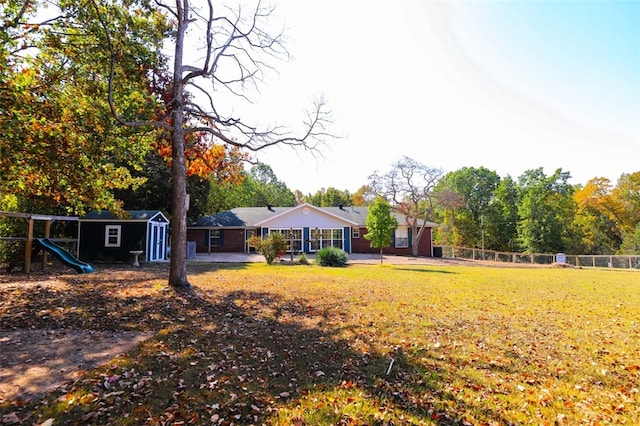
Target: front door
[(248, 234), (158, 243)]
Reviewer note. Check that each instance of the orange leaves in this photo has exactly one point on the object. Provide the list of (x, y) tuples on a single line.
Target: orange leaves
[(207, 159)]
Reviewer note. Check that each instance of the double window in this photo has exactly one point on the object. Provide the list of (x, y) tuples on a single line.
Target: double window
[(293, 237), (325, 237)]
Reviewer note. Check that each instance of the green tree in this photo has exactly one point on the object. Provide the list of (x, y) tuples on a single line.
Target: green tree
[(409, 187), (631, 241), (502, 229), (259, 187), (61, 150), (471, 215), (380, 225), (152, 193), (547, 210), (330, 197), (446, 214), (264, 188)]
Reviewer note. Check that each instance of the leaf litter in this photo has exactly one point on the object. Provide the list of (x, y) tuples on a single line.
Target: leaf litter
[(248, 349)]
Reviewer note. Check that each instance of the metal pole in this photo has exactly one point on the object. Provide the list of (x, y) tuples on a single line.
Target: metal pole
[(482, 231)]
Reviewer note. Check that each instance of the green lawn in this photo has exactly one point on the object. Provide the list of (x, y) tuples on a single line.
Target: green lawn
[(365, 344)]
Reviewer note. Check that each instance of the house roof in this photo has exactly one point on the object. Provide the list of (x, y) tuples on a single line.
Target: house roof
[(306, 208), (240, 217), (249, 217), (133, 215)]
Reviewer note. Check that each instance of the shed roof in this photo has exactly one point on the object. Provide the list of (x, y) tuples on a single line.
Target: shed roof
[(36, 216), (132, 215)]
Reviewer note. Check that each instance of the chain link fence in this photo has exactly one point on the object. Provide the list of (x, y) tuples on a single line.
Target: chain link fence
[(583, 260)]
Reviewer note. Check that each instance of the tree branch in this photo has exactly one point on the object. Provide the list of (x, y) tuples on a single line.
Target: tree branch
[(112, 64)]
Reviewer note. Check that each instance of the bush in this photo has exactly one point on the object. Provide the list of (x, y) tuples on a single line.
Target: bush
[(331, 256), (302, 259), (271, 247)]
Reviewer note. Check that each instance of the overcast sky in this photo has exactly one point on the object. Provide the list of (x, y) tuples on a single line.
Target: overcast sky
[(507, 85)]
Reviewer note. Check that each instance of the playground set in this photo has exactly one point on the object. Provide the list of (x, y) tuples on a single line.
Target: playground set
[(30, 246)]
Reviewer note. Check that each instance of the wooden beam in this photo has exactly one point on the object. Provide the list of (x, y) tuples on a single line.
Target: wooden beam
[(47, 234), (28, 246)]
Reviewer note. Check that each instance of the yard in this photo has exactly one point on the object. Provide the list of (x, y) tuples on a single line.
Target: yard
[(304, 345)]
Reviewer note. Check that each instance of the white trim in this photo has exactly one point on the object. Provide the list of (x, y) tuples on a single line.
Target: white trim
[(284, 231), (403, 238), (158, 242), (263, 223), (321, 242), (108, 236)]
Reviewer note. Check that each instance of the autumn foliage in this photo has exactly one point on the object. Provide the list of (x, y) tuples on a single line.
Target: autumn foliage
[(207, 160)]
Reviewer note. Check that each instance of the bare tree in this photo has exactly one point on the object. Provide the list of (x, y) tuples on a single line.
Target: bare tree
[(234, 48), (409, 186)]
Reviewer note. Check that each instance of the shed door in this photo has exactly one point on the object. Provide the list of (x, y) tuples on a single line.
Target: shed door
[(158, 243)]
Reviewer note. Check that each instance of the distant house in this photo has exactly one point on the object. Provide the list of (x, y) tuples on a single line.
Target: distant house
[(307, 227), (104, 236)]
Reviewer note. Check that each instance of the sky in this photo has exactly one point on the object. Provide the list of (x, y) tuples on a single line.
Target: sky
[(507, 85)]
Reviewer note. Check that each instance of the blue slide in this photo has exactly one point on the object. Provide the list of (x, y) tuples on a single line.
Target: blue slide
[(64, 256)]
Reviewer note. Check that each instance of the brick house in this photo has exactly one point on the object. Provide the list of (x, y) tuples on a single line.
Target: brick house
[(307, 227)]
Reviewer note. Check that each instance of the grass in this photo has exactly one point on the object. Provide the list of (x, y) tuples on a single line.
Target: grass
[(365, 344)]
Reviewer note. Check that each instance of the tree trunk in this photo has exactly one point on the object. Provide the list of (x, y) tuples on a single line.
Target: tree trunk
[(381, 256), (178, 266), (415, 244)]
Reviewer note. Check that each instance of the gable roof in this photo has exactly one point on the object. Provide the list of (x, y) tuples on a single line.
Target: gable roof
[(253, 217), (306, 208)]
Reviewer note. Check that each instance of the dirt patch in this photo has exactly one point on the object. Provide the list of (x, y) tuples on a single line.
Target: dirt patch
[(34, 362), (55, 325)]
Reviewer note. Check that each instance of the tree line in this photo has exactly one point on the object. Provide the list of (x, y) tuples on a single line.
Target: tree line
[(474, 207)]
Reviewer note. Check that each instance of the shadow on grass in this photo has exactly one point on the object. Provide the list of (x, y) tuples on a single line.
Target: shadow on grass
[(220, 358), (421, 269), (197, 268)]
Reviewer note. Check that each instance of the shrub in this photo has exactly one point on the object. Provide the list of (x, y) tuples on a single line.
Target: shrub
[(331, 256), (271, 247), (302, 259)]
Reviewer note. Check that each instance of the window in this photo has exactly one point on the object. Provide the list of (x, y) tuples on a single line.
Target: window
[(402, 237), (214, 238), (355, 232), (112, 235), (292, 237), (326, 237), (336, 238)]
